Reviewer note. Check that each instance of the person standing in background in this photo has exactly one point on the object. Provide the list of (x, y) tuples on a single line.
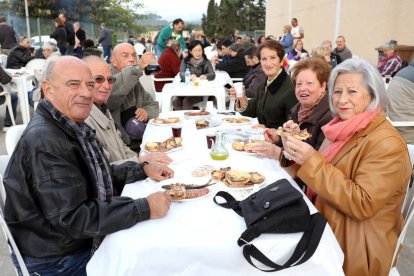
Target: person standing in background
[(8, 36), (80, 36), (105, 39), (170, 64), (341, 50), (174, 30), (70, 35), (60, 35), (297, 32), (287, 39)]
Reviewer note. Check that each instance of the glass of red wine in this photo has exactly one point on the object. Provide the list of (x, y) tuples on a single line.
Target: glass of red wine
[(153, 68)]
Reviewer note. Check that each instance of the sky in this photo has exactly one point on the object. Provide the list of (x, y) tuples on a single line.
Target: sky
[(188, 10)]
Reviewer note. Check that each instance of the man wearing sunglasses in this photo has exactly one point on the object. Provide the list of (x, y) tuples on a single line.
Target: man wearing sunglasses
[(62, 194), (101, 120), (128, 98)]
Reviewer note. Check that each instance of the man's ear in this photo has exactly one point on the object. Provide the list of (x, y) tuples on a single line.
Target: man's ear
[(113, 61), (46, 89)]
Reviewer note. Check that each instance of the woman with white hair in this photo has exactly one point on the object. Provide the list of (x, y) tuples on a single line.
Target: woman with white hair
[(50, 48), (391, 62), (358, 178)]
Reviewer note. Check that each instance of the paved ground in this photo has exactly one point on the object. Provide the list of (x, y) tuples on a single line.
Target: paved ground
[(405, 264)]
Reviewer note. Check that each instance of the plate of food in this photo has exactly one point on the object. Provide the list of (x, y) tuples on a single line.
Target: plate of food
[(197, 115), (237, 120), (165, 121), (207, 123), (185, 192), (170, 145), (301, 134), (237, 179), (245, 146)]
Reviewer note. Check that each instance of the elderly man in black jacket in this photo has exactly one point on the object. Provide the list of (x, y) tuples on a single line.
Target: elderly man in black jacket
[(20, 55), (62, 194)]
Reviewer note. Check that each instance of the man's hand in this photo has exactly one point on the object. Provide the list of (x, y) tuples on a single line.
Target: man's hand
[(155, 157), (146, 59), (141, 115), (159, 204), (158, 172)]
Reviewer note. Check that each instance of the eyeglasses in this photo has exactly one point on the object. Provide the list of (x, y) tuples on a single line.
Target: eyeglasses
[(101, 79)]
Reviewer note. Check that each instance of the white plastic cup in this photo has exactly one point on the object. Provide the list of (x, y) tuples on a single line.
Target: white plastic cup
[(239, 89)]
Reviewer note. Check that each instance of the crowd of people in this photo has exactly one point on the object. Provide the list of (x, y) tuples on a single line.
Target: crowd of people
[(80, 148)]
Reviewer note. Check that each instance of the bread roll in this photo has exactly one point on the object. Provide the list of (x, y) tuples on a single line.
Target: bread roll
[(237, 178), (151, 146), (171, 120), (256, 178), (237, 146)]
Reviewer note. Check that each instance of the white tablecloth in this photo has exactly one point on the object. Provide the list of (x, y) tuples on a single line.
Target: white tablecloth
[(198, 237)]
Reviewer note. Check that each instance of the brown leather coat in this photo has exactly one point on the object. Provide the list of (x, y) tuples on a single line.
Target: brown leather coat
[(361, 194)]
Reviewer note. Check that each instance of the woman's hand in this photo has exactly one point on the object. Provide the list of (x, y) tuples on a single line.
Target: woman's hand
[(297, 150), (267, 149), (291, 125), (271, 135), (203, 77), (258, 126), (193, 77)]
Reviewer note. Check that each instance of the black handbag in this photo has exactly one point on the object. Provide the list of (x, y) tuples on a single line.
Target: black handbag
[(277, 208)]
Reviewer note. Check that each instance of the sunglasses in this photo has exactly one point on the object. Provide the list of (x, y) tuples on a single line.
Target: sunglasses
[(101, 79)]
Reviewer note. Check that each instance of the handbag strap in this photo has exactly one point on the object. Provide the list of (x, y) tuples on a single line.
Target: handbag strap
[(231, 202), (303, 251)]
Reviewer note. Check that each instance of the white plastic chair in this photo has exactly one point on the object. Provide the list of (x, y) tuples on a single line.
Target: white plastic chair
[(13, 136), (6, 94), (36, 63), (4, 159), (3, 60)]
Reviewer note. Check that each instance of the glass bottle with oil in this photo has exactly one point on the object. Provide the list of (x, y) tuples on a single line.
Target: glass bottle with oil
[(218, 150)]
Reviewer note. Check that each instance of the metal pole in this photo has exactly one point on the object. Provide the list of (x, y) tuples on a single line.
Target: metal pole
[(27, 18)]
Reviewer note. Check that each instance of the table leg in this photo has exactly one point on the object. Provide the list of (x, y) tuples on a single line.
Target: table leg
[(166, 102)]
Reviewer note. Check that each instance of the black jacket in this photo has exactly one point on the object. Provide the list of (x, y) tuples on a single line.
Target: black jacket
[(235, 66), (272, 105), (52, 207), (204, 68), (61, 36), (19, 57), (253, 80), (7, 36)]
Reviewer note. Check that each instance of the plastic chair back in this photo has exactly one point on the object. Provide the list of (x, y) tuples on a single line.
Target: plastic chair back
[(13, 136), (36, 64)]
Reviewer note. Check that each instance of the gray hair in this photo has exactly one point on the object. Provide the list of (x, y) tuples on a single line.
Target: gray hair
[(390, 44), (51, 44), (372, 81)]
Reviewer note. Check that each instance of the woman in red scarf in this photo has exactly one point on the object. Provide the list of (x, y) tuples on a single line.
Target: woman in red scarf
[(360, 173)]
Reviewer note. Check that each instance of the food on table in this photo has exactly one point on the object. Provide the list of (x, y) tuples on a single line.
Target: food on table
[(200, 172), (202, 112), (219, 174), (202, 124), (246, 146), (167, 145), (189, 186), (297, 134), (171, 120), (237, 178), (235, 120), (179, 191), (256, 178), (238, 145)]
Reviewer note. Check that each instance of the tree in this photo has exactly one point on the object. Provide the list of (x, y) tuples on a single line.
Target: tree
[(209, 22)]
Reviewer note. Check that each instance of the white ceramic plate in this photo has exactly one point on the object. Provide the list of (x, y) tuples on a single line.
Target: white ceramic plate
[(223, 187), (237, 124), (211, 123), (172, 180), (157, 124), (196, 117), (173, 150)]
